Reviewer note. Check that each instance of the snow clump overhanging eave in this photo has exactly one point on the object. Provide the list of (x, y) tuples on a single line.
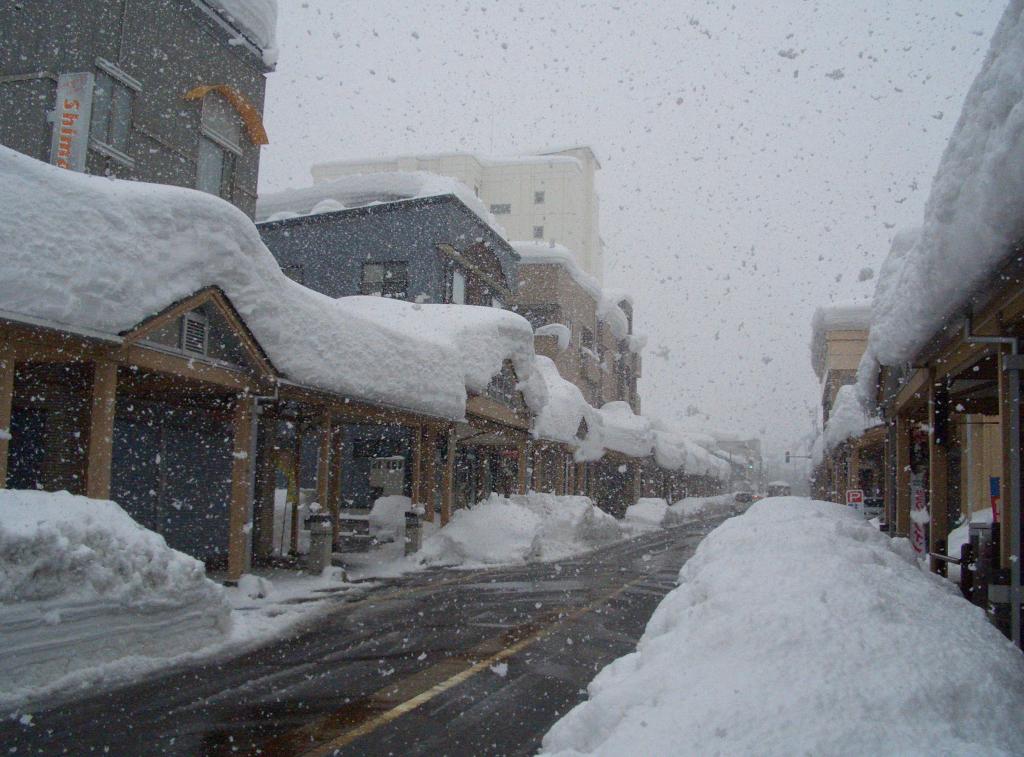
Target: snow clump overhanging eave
[(560, 418), (847, 420), (138, 248), (974, 213), (624, 431), (256, 19), (352, 191)]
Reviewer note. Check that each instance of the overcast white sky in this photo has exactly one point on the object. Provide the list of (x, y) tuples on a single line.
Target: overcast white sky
[(757, 155)]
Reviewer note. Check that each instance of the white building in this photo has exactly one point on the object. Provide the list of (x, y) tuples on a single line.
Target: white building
[(550, 196)]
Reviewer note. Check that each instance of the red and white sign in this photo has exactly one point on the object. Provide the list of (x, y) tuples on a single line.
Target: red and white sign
[(71, 121), (855, 497)]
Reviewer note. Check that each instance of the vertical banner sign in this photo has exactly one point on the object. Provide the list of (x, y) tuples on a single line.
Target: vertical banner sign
[(993, 493), (71, 121), (919, 516)]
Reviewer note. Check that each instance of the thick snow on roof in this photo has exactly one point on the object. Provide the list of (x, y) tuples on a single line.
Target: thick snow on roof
[(975, 211), (139, 247), (849, 316), (257, 19), (608, 310), (566, 408), (368, 189), (624, 431), (847, 419)]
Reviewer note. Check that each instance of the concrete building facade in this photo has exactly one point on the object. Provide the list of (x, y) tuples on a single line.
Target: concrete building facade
[(546, 197), (167, 92)]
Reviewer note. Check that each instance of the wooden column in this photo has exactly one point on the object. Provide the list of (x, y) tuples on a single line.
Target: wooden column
[(448, 490), (853, 466), (337, 460), (938, 472), (266, 475), (323, 462), (1009, 447), (417, 465), (902, 475), (559, 458), (429, 486), (241, 499), (101, 430), (6, 397), (524, 450), (295, 488)]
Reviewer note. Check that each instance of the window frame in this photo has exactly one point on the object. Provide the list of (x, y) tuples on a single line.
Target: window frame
[(501, 208), (539, 197), (387, 267), (538, 232), (123, 89)]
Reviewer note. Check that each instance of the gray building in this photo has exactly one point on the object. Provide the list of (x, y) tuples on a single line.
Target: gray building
[(428, 249), (166, 91)]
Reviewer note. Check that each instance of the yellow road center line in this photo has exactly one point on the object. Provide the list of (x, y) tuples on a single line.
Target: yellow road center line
[(323, 750)]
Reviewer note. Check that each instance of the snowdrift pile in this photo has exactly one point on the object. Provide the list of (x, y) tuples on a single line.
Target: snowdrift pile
[(657, 513), (520, 529), (81, 584), (795, 628)]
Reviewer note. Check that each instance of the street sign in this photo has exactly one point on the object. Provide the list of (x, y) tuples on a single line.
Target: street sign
[(855, 497), (71, 121)]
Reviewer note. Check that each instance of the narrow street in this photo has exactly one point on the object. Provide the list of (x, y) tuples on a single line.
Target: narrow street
[(416, 667)]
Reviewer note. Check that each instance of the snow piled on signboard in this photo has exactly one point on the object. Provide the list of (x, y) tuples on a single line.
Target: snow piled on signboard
[(96, 254), (82, 584), (520, 529), (796, 628), (975, 211)]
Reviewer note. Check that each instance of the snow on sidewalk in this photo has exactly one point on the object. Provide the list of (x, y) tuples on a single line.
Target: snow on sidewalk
[(799, 629), (520, 529)]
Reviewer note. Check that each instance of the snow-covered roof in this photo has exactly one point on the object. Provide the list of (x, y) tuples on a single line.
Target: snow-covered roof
[(848, 316), (624, 431), (553, 157), (368, 189), (975, 211), (256, 19), (847, 419), (560, 418), (608, 310), (130, 249)]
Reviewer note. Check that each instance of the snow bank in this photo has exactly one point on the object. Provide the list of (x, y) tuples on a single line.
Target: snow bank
[(369, 189), (648, 513), (257, 19), (975, 211), (82, 584), (387, 518), (847, 419), (691, 508), (141, 247), (520, 529), (799, 629)]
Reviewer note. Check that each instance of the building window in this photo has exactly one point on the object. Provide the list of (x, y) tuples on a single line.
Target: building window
[(111, 119), (538, 232), (501, 209), (386, 280), (458, 288), (219, 146), (538, 198)]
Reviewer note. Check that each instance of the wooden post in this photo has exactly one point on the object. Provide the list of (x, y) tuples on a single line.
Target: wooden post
[(559, 459), (101, 430), (295, 489), (323, 462), (238, 514), (448, 492), (902, 475), (337, 457), (429, 462), (524, 450), (938, 472), (853, 467), (266, 475), (6, 399), (417, 465)]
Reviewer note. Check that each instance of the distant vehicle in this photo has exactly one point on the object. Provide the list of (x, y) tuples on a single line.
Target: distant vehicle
[(744, 497), (779, 489)]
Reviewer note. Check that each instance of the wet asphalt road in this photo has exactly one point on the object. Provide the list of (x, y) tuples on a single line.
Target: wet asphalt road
[(415, 668)]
